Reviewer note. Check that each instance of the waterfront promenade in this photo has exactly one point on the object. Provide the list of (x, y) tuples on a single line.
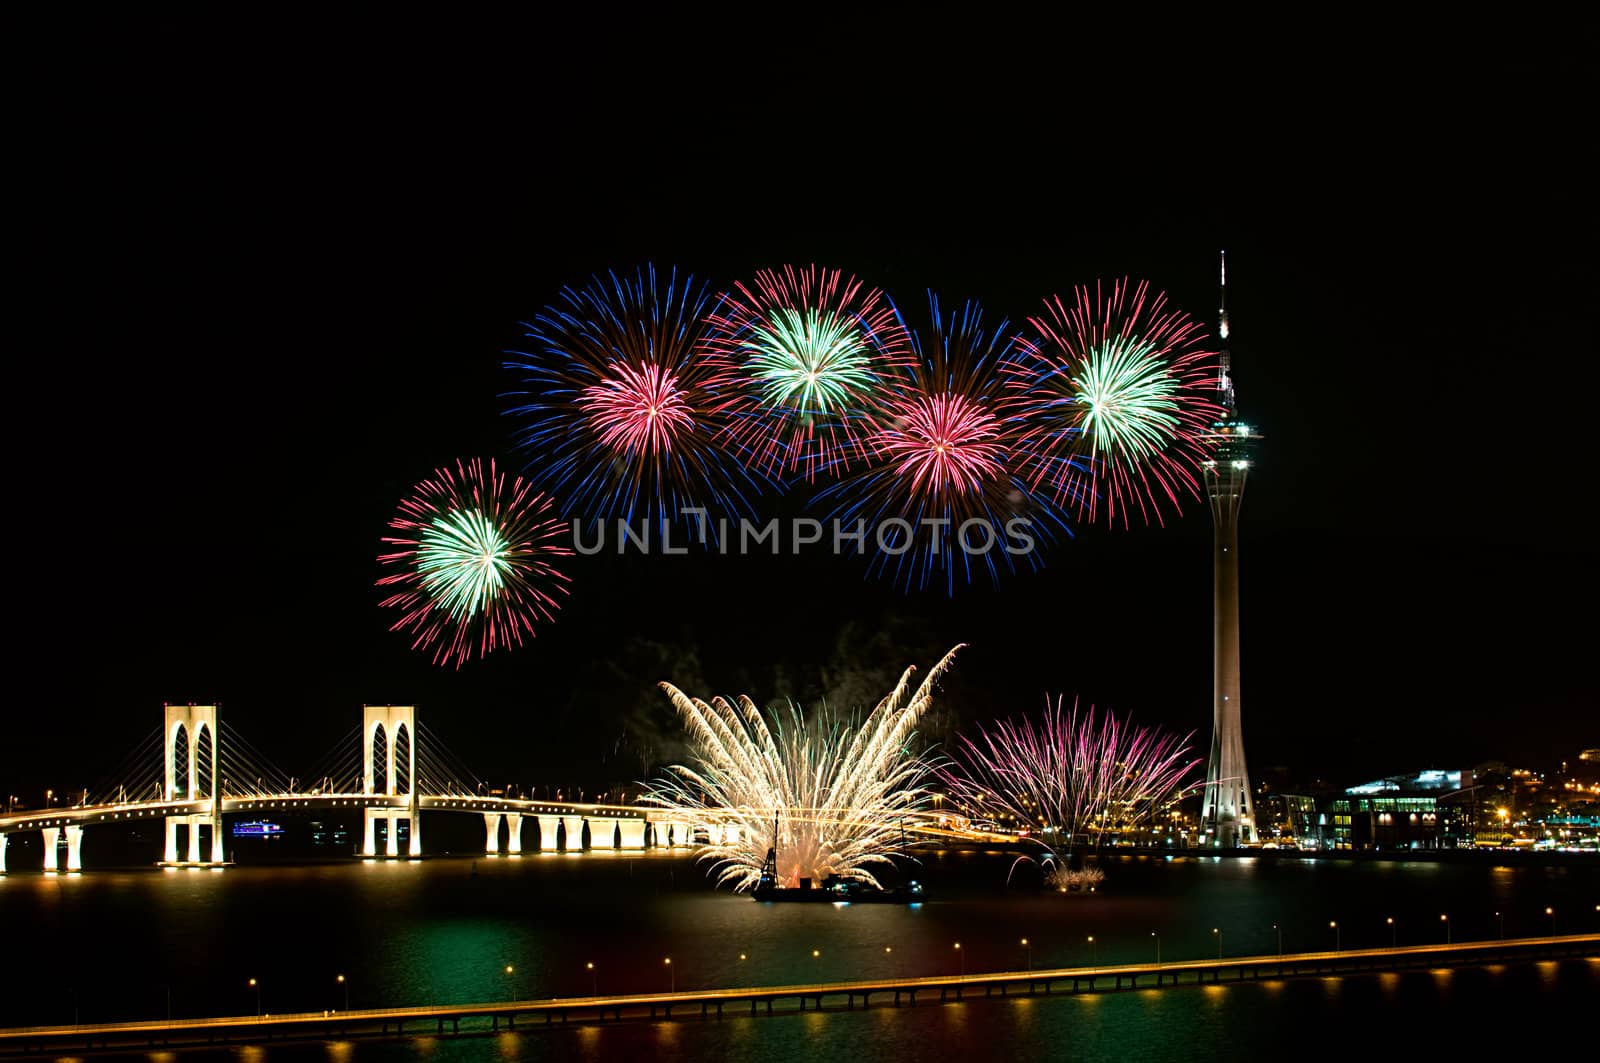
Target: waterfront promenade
[(705, 1004)]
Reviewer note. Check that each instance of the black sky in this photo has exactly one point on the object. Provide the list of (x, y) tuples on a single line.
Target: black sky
[(268, 272)]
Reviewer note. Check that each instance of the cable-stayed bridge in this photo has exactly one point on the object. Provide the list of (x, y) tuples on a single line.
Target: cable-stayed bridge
[(194, 771)]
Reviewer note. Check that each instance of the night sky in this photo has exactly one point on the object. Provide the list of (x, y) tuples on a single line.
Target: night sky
[(268, 281)]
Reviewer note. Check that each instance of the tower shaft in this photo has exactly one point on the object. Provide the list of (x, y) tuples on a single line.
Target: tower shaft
[(1228, 813)]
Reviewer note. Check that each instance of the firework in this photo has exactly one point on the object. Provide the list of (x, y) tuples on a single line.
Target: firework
[(619, 414), (940, 498), (837, 792), (1073, 778), (478, 562), (1111, 394), (812, 349)]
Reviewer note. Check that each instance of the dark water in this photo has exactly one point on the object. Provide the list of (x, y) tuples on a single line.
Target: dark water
[(109, 945)]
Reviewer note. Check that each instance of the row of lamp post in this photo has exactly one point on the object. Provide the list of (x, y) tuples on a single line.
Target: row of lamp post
[(961, 956)]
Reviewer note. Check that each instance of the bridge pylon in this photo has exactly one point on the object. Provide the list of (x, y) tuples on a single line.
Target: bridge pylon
[(389, 769), (191, 730)]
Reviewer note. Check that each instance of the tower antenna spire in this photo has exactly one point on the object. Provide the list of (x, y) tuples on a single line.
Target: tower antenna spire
[(1225, 367)]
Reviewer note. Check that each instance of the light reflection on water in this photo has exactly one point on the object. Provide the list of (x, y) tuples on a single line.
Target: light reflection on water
[(444, 930)]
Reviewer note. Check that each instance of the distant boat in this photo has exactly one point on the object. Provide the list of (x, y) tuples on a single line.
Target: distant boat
[(256, 828)]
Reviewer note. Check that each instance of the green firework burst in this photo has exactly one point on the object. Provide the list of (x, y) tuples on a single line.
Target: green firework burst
[(810, 361), (463, 561), (1129, 398)]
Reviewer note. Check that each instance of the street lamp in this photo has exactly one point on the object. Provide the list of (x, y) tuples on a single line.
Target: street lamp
[(1551, 912), (511, 982), (1218, 931), (1333, 925), (1394, 933), (1028, 948), (1279, 929), (257, 987), (342, 981), (1445, 919), (1500, 921), (962, 957), (1158, 947), (1093, 959), (672, 975), (594, 978)]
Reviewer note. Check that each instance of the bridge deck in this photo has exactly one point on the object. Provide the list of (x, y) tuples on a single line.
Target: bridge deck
[(427, 1020)]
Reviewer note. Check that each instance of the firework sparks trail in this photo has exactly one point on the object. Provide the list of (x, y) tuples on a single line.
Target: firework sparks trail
[(1074, 777), (1113, 398), (814, 350), (478, 559), (942, 481), (839, 791), (620, 413)]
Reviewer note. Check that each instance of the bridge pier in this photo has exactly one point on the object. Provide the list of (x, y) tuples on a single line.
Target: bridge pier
[(391, 835), (5, 839), (415, 849), (169, 855), (574, 825), (632, 832), (602, 832), (194, 839), (74, 848), (51, 860), (514, 833), (369, 835), (491, 832), (678, 834), (547, 833)]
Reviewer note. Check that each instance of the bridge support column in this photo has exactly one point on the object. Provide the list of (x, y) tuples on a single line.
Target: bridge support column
[(514, 833), (632, 832), (730, 834), (194, 838), (547, 833), (170, 853), (51, 863), (74, 848), (574, 825), (713, 833), (391, 836), (491, 832), (216, 839), (4, 840), (602, 832), (678, 834), (369, 835), (416, 833)]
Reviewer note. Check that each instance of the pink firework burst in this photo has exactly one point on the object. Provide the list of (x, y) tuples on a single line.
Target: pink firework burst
[(938, 491), (944, 443), (638, 410), (808, 352)]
